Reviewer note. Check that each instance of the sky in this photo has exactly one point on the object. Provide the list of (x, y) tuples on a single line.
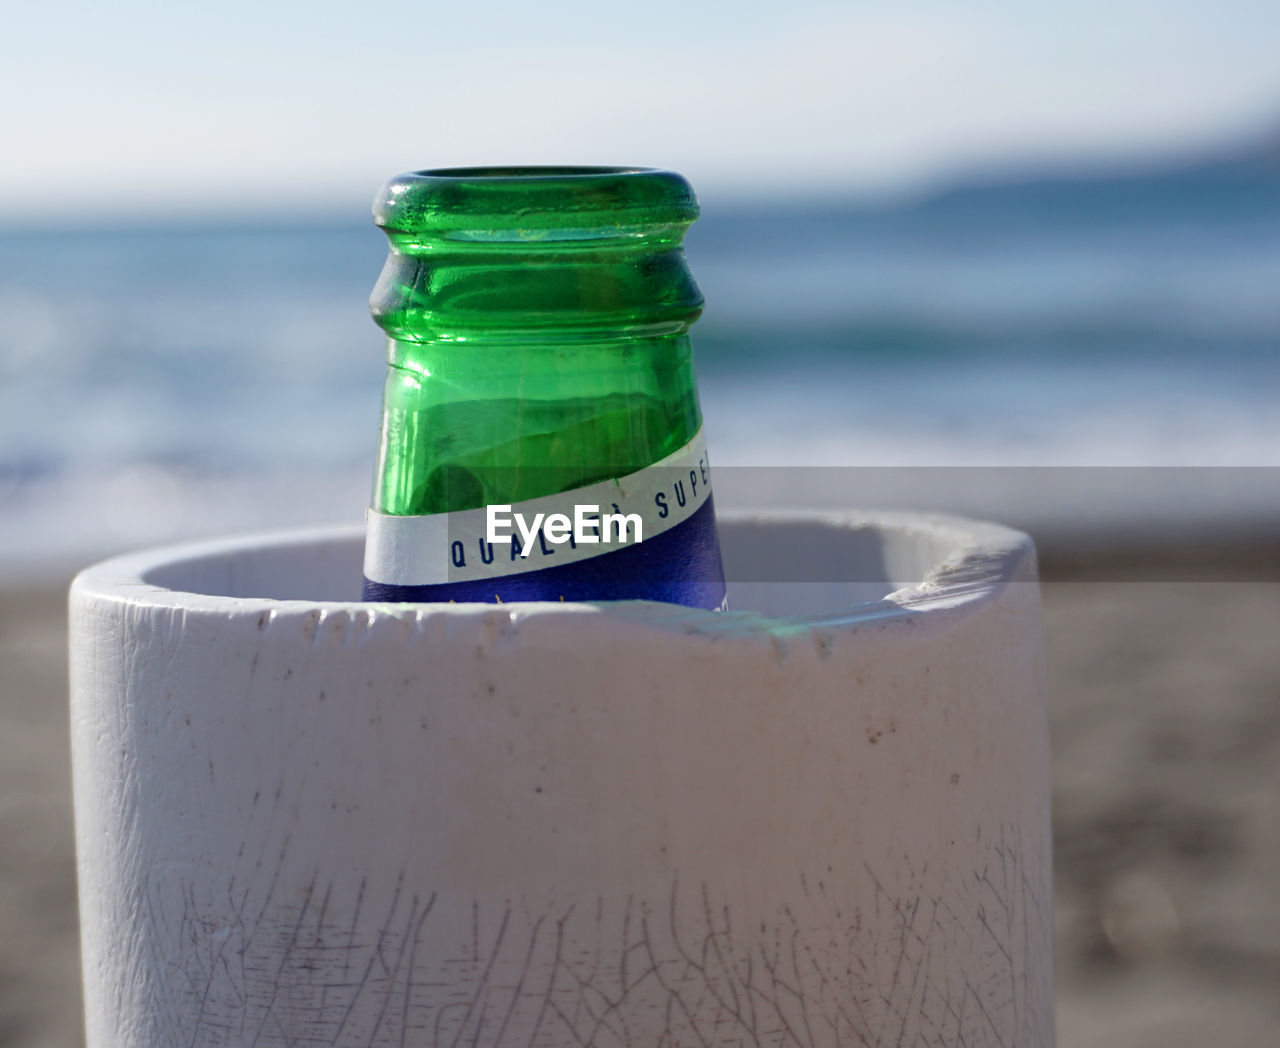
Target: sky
[(157, 106)]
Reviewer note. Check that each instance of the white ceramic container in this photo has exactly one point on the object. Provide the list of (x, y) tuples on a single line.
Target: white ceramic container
[(820, 819)]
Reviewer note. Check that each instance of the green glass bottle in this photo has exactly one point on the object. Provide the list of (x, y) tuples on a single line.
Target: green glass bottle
[(539, 366)]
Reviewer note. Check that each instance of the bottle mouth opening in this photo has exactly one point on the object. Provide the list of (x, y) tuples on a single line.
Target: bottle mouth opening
[(531, 172)]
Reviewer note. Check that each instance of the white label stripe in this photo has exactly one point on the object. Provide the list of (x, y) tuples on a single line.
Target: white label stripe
[(453, 547)]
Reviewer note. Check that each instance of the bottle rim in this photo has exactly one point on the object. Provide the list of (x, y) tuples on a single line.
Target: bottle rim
[(558, 202)]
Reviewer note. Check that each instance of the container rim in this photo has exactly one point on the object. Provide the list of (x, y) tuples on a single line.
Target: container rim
[(970, 563)]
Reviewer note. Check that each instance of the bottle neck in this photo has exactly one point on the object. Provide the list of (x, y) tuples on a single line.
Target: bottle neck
[(539, 324), (480, 422), (519, 294)]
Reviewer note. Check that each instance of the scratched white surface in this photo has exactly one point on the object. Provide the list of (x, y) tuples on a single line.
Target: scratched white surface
[(317, 822)]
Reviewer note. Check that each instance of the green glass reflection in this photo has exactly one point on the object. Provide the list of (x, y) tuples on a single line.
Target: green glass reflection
[(538, 326)]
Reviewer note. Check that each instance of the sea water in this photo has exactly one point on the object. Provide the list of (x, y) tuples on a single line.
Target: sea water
[(166, 383)]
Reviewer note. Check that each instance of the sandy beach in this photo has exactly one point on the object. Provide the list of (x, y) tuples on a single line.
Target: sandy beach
[(1165, 698)]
